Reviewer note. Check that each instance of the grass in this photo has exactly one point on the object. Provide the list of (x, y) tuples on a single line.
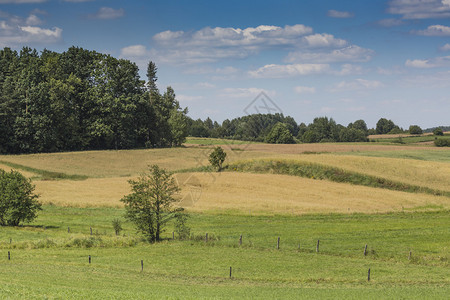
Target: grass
[(47, 261), (422, 154), (431, 174), (245, 193), (193, 269), (320, 171)]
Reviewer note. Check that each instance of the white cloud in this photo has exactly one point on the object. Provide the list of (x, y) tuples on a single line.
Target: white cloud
[(211, 44), (281, 71), (15, 32), (108, 13), (358, 84), (304, 90), (323, 40), (351, 53), (33, 20), (420, 9), (390, 22), (244, 92), (437, 62), (134, 51), (339, 14), (446, 47), (434, 30)]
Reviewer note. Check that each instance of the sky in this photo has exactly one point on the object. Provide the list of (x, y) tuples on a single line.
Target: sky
[(347, 60)]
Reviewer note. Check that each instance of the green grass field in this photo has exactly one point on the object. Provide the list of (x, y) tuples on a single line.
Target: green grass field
[(49, 257), (47, 263)]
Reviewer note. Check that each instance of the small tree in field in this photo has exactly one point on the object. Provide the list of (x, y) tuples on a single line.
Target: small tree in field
[(150, 205), (17, 201), (217, 157)]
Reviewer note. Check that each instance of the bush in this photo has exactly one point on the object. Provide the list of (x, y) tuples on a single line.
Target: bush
[(17, 201), (442, 142)]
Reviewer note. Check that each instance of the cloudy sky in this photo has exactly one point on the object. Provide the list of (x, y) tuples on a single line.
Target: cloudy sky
[(343, 59)]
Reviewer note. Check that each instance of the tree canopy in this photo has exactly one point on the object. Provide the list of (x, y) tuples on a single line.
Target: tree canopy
[(82, 100)]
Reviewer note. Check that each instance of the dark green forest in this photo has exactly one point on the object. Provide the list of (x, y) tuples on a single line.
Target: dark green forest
[(83, 100)]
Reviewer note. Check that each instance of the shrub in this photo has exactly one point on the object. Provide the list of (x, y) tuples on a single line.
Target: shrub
[(442, 142), (117, 225), (17, 201)]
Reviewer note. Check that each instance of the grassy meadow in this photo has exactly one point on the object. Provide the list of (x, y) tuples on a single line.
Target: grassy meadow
[(407, 232)]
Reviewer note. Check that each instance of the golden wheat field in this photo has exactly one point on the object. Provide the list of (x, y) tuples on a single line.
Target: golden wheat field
[(435, 175), (109, 172)]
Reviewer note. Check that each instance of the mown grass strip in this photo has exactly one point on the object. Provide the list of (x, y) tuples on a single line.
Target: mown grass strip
[(44, 175), (322, 172)]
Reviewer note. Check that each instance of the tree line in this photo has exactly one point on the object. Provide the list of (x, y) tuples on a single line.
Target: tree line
[(280, 129), (83, 100)]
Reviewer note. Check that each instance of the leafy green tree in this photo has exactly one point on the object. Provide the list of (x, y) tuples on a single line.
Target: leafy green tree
[(352, 135), (384, 126), (438, 131), (442, 142), (415, 129), (359, 125), (151, 204), (17, 201), (217, 157), (280, 134)]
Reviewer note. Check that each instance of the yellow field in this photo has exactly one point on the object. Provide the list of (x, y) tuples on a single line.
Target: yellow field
[(109, 172), (123, 163), (435, 175), (245, 192)]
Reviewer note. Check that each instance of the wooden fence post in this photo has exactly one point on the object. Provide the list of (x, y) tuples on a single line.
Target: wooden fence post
[(368, 275), (409, 257), (68, 229), (230, 272), (89, 259), (206, 237), (240, 240), (142, 265), (173, 236), (9, 255), (90, 229), (317, 247), (278, 243), (365, 250)]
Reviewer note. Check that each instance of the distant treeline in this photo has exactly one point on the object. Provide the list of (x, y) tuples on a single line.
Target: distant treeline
[(278, 129), (80, 100)]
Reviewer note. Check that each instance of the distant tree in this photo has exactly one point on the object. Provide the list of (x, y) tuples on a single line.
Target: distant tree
[(438, 131), (151, 204), (359, 125), (384, 126), (415, 129), (310, 136), (280, 134), (352, 135), (217, 157), (17, 201)]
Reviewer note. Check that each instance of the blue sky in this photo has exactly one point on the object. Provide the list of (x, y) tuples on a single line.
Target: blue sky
[(343, 59)]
